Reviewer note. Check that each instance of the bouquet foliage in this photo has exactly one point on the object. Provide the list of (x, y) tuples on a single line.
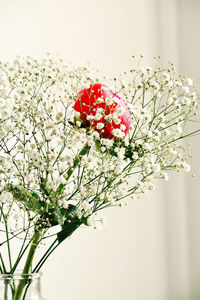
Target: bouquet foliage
[(71, 146)]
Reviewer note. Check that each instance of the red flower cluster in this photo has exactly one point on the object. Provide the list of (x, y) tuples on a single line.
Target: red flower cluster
[(105, 111)]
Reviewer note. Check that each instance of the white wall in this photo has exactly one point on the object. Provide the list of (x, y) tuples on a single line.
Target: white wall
[(142, 254), (176, 219), (189, 45)]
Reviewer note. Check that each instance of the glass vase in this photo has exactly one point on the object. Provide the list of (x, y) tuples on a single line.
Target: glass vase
[(20, 287)]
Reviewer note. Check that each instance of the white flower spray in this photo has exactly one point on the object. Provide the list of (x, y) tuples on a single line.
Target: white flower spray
[(56, 171)]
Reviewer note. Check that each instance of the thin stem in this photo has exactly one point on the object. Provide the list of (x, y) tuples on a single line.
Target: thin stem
[(1, 270), (28, 263), (43, 259), (3, 265), (13, 235), (23, 244), (8, 245), (7, 238), (19, 257), (41, 264)]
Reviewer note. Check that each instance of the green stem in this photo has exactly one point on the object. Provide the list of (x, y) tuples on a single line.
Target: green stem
[(6, 291), (3, 265), (8, 244), (45, 256), (28, 264), (70, 171), (19, 258), (22, 250)]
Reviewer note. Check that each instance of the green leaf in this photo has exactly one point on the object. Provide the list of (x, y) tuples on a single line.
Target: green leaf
[(98, 146), (71, 123), (68, 228), (57, 216), (54, 216), (85, 150), (70, 211), (31, 200), (35, 202), (44, 188)]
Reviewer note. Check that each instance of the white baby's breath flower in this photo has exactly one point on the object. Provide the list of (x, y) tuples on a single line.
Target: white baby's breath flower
[(77, 114), (186, 90), (118, 133), (143, 71), (167, 132), (100, 100), (186, 167), (78, 123), (100, 125), (97, 117), (189, 81), (170, 100), (156, 168), (109, 101), (165, 176), (85, 86), (123, 127), (6, 197), (91, 117)]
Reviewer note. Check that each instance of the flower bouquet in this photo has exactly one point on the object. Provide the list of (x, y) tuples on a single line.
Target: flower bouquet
[(71, 146)]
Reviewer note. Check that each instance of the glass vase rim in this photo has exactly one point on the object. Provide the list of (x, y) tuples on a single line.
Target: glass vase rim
[(18, 275)]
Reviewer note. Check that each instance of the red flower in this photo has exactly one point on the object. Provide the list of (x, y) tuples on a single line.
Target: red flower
[(105, 111)]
